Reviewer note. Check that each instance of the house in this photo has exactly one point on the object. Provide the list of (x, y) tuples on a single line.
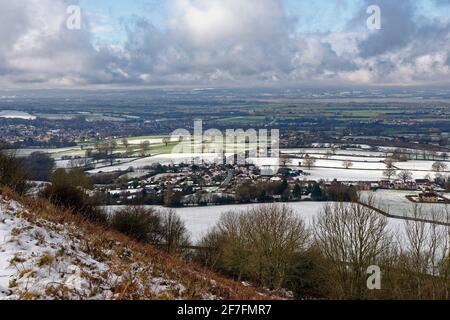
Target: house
[(385, 184), (411, 185), (364, 186), (422, 183), (399, 185)]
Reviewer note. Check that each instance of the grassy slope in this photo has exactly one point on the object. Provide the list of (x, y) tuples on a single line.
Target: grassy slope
[(123, 256)]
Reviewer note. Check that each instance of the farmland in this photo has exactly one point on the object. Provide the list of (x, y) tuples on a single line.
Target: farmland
[(199, 220)]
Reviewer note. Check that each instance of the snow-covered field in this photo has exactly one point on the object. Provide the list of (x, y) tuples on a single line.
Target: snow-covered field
[(313, 151), (64, 164), (199, 220), (151, 139), (12, 114), (355, 165), (351, 158), (329, 174), (395, 202), (417, 165), (162, 159), (55, 153), (363, 168)]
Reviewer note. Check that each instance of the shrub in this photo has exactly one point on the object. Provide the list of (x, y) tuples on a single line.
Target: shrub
[(12, 173), (39, 166), (316, 192), (105, 177), (139, 223), (69, 189), (310, 275), (259, 244)]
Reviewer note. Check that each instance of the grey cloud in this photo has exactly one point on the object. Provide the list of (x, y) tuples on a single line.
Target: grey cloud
[(398, 27), (219, 42), (264, 48)]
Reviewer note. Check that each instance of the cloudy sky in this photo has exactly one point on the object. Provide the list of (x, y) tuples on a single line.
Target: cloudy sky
[(152, 43)]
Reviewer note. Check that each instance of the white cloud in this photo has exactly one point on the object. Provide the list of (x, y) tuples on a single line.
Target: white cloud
[(217, 42)]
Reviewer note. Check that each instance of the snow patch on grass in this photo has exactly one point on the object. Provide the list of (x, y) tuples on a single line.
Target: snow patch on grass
[(45, 260)]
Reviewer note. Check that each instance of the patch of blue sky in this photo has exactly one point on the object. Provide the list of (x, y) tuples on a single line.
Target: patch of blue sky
[(109, 18)]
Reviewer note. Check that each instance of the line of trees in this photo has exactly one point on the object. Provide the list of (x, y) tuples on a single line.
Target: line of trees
[(272, 247)]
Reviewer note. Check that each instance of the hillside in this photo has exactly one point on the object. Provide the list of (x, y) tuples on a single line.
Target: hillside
[(46, 253)]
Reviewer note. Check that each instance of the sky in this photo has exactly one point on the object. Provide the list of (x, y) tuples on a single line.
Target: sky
[(221, 43)]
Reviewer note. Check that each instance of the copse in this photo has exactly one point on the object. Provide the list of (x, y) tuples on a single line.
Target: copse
[(259, 244), (147, 225), (269, 246)]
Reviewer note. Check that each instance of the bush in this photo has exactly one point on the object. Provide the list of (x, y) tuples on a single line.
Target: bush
[(12, 173), (341, 193), (139, 223), (69, 189), (39, 166), (259, 245), (105, 177), (316, 192), (147, 225), (310, 275)]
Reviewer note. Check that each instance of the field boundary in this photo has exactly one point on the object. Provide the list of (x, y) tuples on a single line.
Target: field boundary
[(388, 215)]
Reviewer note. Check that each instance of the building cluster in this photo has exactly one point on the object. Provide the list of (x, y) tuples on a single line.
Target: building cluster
[(195, 183)]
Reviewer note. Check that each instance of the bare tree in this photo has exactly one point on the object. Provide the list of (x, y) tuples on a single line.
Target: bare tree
[(174, 232), (309, 161), (284, 161), (258, 244), (333, 149), (12, 172), (405, 175), (389, 173), (328, 154), (427, 253), (166, 141), (145, 147), (347, 164), (353, 237), (389, 162), (111, 147), (439, 166), (125, 143)]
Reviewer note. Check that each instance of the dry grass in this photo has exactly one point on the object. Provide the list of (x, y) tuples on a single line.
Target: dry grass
[(137, 264)]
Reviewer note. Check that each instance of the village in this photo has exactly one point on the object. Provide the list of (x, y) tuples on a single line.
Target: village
[(203, 183)]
